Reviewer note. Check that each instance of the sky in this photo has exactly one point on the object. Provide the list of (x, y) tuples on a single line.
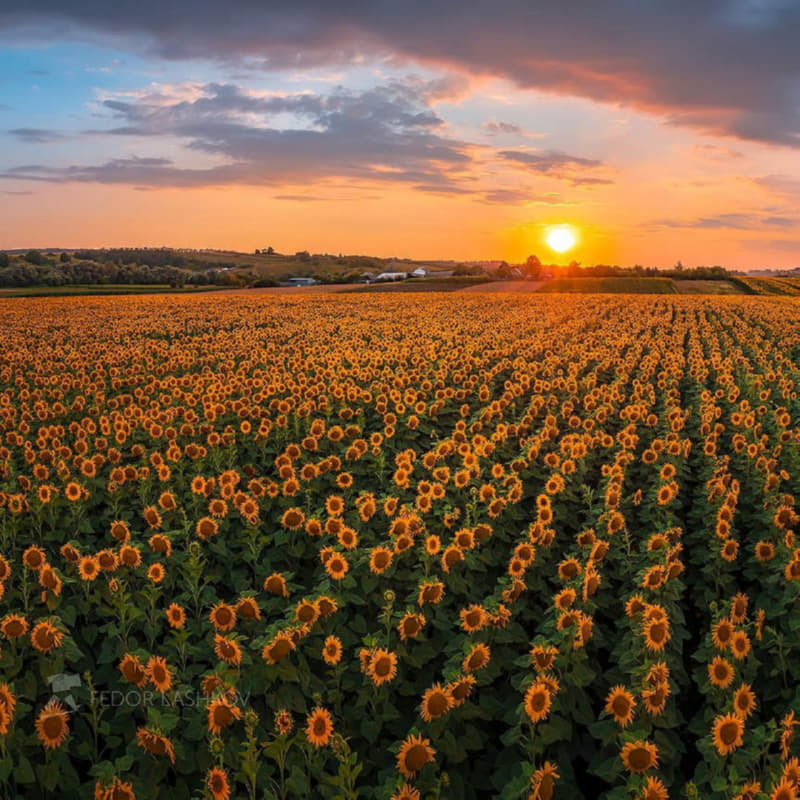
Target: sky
[(659, 130)]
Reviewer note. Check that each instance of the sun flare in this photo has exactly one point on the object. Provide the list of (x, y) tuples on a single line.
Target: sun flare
[(561, 239)]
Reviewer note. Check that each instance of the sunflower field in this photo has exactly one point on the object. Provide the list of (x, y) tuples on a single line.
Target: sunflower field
[(401, 547)]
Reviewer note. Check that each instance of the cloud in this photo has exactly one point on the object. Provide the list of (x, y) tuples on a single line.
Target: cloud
[(728, 67), (37, 135), (732, 221), (507, 196), (555, 164), (387, 134), (502, 127)]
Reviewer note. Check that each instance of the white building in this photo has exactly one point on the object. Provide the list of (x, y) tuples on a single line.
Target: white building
[(391, 276)]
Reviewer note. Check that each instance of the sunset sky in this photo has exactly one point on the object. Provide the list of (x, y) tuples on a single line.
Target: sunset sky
[(659, 130)]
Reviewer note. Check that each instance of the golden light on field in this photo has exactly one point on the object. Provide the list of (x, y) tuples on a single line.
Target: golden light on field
[(561, 238)]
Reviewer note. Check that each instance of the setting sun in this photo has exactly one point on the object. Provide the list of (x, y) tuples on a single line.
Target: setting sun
[(561, 239)]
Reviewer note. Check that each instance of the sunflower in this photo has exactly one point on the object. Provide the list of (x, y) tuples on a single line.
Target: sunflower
[(727, 733), (73, 491), (744, 701), (227, 650), (34, 558), (52, 724), (337, 566), (543, 657), (221, 713), (276, 584), (8, 704), (639, 756), (155, 743), (537, 701), (764, 551), (473, 618), (348, 538), (410, 626), (380, 559), (277, 649), (382, 667), (739, 608), (88, 568), (654, 789), (656, 635), (722, 633), (159, 543), (319, 727), (133, 670), (283, 722), (620, 703), (293, 519), (565, 599), (477, 658), (451, 556), (332, 650), (108, 560), (156, 573), (436, 702), (152, 517), (326, 605), (788, 724), (430, 592), (247, 608), (116, 790), (158, 673), (130, 556), (176, 616), (791, 770), (655, 699), (223, 617), (634, 606), (45, 637), (784, 790), (406, 792), (461, 688), (433, 545), (13, 626), (720, 672), (206, 527), (740, 645), (729, 549), (334, 506), (217, 784), (415, 752), (543, 782)]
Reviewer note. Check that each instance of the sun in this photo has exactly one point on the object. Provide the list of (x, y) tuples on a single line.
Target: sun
[(561, 238)]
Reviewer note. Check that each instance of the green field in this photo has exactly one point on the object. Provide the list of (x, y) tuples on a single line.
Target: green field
[(780, 286), (709, 287), (609, 285)]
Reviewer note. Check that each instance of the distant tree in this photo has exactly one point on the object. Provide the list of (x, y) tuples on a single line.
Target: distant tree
[(36, 258), (257, 252), (64, 258), (270, 251), (679, 266), (533, 267)]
